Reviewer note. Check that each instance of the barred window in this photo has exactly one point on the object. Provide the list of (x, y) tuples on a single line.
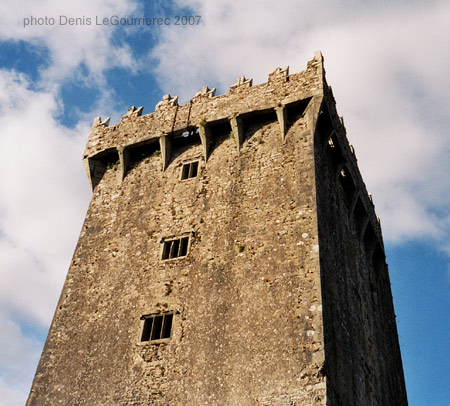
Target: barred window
[(175, 248), (156, 327), (189, 170)]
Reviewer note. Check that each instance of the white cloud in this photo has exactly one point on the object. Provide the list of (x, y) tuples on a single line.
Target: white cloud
[(44, 197), (69, 45), (18, 356)]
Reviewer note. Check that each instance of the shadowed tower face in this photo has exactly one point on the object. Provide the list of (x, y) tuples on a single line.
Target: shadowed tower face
[(230, 256)]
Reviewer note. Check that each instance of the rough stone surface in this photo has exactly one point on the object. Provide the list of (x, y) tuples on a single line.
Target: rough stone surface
[(283, 297)]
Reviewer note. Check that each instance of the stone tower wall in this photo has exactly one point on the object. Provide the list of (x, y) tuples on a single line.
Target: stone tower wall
[(253, 318), (363, 362)]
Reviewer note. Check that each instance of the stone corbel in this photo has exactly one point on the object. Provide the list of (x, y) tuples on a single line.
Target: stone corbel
[(205, 138), (238, 131), (166, 150), (282, 120)]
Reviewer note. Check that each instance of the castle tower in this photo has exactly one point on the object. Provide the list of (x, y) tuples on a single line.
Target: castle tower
[(230, 255)]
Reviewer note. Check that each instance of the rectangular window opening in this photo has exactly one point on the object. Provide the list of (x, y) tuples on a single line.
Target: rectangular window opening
[(175, 248), (147, 330), (166, 250), (185, 172), (193, 169), (189, 170), (183, 246), (174, 252), (157, 327), (167, 326)]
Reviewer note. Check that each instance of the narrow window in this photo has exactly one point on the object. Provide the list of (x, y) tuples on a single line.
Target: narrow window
[(189, 170), (348, 186), (147, 330), (156, 327), (167, 326), (334, 152), (359, 217), (183, 246), (175, 248)]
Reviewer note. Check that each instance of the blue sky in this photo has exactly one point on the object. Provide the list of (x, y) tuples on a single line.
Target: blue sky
[(386, 61)]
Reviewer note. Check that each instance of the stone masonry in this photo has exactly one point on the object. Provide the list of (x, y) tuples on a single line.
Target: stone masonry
[(230, 255)]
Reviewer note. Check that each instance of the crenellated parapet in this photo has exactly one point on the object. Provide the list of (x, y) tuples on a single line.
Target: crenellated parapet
[(279, 75), (243, 99), (242, 83)]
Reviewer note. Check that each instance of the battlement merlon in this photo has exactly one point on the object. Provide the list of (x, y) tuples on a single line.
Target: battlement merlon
[(280, 90)]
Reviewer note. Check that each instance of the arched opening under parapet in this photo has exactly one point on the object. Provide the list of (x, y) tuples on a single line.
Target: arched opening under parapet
[(359, 217), (378, 259), (253, 121), (100, 163), (136, 153), (347, 186), (369, 240), (296, 111), (181, 141), (218, 132), (324, 124), (334, 152)]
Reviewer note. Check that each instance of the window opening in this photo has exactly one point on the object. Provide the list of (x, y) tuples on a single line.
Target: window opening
[(139, 152), (348, 187), (254, 121), (175, 248), (359, 217), (100, 163), (189, 170), (296, 110), (334, 152), (157, 327), (369, 239), (220, 131)]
